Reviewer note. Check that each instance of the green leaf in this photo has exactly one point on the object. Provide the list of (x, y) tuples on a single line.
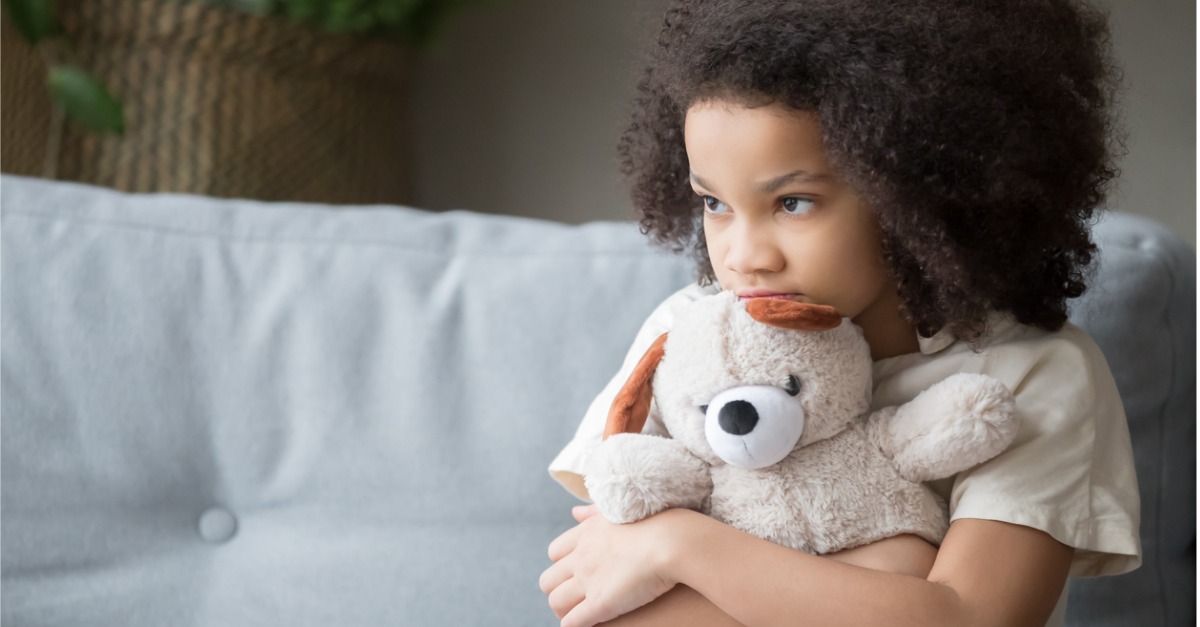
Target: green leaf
[(86, 99), (346, 16), (392, 12), (303, 10), (34, 18)]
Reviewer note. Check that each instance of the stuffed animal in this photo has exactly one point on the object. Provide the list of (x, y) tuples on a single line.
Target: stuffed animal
[(766, 403)]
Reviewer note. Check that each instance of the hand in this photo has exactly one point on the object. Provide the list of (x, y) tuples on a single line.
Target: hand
[(583, 512), (602, 570)]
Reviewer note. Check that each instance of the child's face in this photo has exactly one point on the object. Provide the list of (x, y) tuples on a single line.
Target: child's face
[(777, 220)]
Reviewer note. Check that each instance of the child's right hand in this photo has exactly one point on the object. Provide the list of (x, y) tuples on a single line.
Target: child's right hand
[(905, 555), (603, 570)]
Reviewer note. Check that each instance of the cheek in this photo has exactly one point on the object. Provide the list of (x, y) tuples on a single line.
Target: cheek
[(865, 258), (859, 248), (872, 268), (865, 277), (717, 246)]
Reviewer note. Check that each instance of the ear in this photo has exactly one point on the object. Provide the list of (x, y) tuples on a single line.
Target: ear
[(631, 407), (787, 314)]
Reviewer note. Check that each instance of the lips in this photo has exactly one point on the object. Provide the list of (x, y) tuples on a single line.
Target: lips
[(748, 294)]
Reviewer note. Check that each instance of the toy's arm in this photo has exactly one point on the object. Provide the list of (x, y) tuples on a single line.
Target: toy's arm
[(631, 476), (957, 423)]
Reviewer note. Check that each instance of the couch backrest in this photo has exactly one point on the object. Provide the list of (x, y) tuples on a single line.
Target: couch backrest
[(1141, 310), (238, 413)]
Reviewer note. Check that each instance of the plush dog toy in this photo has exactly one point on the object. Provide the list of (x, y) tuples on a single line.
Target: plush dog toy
[(766, 401)]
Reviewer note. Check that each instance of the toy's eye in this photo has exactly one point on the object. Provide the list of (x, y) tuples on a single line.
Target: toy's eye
[(792, 387)]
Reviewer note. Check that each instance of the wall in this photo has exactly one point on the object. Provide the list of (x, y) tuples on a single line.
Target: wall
[(519, 108), (1155, 42)]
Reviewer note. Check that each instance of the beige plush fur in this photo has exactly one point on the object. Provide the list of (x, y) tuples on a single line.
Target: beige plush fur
[(849, 478)]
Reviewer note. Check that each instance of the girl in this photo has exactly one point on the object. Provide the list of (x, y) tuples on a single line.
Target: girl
[(928, 167)]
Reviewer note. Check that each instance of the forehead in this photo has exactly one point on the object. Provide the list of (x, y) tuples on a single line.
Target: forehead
[(769, 140)]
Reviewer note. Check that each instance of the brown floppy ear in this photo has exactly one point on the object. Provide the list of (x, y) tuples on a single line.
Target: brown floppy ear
[(631, 407), (788, 314)]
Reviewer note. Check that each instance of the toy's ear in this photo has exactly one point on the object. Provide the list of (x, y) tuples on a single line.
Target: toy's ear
[(788, 314), (631, 407)]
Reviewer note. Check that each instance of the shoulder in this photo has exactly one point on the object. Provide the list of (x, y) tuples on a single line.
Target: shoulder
[(663, 317), (688, 294), (1033, 363), (1067, 399), (1070, 470), (1065, 365)]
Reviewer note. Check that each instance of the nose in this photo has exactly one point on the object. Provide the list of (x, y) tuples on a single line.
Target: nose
[(738, 417), (752, 249)]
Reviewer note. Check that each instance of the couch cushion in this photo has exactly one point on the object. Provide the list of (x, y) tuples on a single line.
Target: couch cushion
[(370, 395)]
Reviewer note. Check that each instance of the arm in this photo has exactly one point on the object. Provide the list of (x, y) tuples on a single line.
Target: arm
[(986, 573), (633, 476), (905, 554), (957, 423)]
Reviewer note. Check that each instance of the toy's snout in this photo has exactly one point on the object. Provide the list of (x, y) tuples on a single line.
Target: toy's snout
[(753, 426)]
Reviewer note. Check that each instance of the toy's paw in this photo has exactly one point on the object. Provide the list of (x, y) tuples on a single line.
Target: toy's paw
[(632, 476), (957, 423)]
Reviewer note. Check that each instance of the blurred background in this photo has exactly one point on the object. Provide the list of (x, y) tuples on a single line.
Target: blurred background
[(513, 106)]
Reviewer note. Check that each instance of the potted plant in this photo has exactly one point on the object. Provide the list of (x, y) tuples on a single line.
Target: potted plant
[(268, 99)]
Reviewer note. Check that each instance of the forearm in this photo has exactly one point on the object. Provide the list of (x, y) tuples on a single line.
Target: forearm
[(760, 583), (681, 606), (681, 567)]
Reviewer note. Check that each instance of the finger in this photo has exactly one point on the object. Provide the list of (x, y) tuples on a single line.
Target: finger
[(564, 544), (584, 512), (553, 577), (566, 597), (585, 614)]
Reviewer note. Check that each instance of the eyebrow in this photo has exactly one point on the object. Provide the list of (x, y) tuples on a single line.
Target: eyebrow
[(796, 176)]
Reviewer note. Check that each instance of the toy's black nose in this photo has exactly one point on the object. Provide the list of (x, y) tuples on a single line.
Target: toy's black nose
[(738, 417)]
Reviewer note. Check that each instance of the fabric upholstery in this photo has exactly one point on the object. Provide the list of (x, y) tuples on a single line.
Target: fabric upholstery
[(222, 412), (1141, 310)]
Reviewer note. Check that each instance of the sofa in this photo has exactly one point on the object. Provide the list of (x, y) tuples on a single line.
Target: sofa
[(226, 412)]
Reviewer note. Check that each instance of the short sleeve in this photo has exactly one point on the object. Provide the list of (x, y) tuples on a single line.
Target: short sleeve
[(568, 466), (1070, 471)]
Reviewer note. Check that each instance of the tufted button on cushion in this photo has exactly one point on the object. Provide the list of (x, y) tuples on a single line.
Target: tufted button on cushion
[(217, 525)]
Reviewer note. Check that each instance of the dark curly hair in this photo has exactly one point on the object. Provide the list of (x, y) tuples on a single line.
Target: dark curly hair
[(980, 132)]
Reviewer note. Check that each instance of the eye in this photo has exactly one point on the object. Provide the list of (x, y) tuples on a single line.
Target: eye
[(792, 387), (795, 206), (714, 206)]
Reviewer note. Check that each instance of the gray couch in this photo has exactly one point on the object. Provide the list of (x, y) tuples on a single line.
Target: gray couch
[(237, 413)]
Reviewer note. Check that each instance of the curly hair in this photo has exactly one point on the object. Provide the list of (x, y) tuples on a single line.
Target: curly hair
[(980, 132)]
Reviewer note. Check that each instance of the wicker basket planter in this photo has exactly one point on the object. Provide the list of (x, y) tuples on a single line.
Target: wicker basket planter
[(218, 102)]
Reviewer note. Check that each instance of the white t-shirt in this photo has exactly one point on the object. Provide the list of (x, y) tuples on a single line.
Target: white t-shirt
[(1069, 472)]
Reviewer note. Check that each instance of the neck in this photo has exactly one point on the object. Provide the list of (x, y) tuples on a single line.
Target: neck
[(885, 330)]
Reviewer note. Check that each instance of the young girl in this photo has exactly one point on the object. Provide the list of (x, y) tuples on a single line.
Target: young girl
[(928, 167)]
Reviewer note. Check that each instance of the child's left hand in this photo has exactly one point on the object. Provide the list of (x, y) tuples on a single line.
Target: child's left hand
[(602, 570)]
